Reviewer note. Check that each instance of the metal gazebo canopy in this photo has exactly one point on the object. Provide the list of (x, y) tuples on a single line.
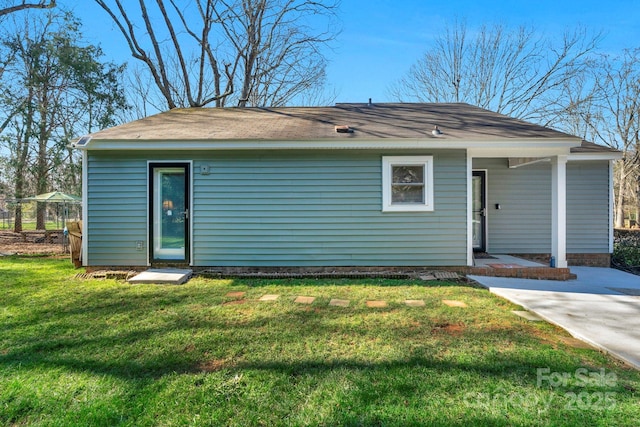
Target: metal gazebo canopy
[(56, 197)]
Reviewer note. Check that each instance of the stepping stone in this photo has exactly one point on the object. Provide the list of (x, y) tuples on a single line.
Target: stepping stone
[(162, 276), (427, 277), (414, 303), (376, 304), (454, 303), (304, 300), (269, 297), (446, 275), (339, 302), (235, 302), (528, 315), (238, 294)]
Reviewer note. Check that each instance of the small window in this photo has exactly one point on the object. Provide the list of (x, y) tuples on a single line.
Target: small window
[(407, 184)]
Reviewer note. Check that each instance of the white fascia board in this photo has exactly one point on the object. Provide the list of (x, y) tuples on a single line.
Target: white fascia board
[(499, 145), (519, 151), (576, 157)]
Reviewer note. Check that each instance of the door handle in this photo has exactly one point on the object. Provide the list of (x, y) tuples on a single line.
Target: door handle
[(186, 214)]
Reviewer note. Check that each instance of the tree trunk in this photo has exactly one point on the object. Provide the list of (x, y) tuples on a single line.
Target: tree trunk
[(17, 222), (41, 211), (619, 216)]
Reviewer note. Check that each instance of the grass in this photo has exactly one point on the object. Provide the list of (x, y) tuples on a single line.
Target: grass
[(102, 352), (30, 225)]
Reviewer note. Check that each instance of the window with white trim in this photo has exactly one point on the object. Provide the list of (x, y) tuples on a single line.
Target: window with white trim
[(407, 183)]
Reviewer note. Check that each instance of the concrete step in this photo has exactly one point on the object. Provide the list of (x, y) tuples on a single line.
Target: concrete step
[(163, 276)]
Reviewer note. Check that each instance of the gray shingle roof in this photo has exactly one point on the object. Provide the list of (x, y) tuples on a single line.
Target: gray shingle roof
[(368, 122), (590, 147), (305, 123)]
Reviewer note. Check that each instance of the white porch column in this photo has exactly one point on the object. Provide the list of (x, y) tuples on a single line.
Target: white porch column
[(559, 210)]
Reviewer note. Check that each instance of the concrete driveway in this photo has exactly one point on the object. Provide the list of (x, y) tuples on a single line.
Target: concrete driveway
[(600, 307)]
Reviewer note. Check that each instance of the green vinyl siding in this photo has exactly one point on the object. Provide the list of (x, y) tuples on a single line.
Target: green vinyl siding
[(320, 208), (523, 224), (588, 207), (116, 210), (299, 208)]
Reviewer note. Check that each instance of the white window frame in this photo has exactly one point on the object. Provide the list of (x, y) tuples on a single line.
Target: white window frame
[(387, 164)]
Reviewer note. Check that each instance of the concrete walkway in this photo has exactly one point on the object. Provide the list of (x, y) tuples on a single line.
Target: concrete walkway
[(600, 307)]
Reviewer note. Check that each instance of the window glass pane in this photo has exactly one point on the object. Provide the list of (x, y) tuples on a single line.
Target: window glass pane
[(408, 174), (408, 194)]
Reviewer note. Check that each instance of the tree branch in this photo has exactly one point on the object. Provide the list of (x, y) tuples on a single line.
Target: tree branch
[(40, 5)]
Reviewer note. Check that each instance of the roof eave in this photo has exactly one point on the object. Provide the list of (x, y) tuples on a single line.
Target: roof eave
[(599, 155), (330, 144)]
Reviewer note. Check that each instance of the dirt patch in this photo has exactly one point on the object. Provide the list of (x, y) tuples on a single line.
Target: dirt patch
[(235, 302), (15, 244), (214, 365), (448, 328), (236, 294), (574, 342), (28, 248)]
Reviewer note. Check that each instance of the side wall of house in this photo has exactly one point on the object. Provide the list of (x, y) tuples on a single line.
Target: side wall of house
[(523, 224), (300, 208), (116, 210)]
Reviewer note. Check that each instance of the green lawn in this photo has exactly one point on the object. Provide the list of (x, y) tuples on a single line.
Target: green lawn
[(101, 352), (31, 225)]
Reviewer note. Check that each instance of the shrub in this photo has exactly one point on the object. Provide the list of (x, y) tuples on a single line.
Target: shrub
[(626, 248)]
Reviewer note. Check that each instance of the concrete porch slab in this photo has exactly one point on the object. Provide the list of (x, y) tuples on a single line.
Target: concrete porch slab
[(501, 259), (162, 276)]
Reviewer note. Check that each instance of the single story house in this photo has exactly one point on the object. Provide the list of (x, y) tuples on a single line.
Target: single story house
[(364, 185)]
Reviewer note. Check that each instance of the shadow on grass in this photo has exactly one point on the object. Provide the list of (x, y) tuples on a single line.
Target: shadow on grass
[(145, 336), (164, 334)]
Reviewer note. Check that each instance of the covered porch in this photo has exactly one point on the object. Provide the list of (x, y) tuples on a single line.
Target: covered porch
[(552, 209), (502, 265)]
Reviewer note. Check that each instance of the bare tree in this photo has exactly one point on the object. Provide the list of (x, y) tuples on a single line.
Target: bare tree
[(618, 125), (514, 72), (58, 90), (279, 54), (10, 7), (202, 52)]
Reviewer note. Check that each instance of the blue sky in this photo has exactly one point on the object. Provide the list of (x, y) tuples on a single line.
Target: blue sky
[(381, 39)]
